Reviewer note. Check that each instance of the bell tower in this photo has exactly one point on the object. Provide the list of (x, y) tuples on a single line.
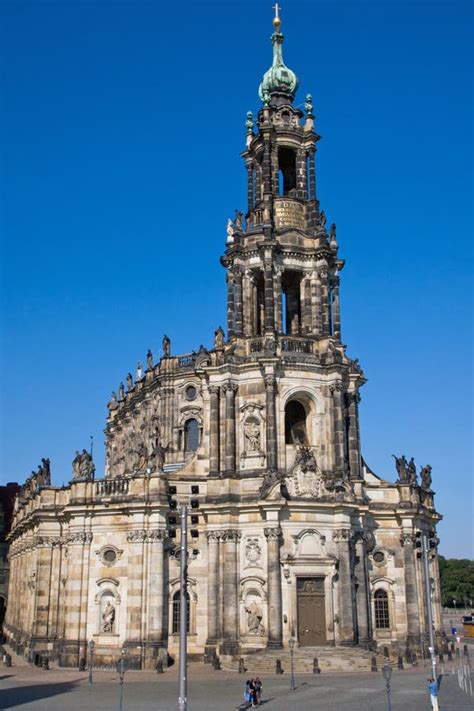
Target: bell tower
[(282, 264)]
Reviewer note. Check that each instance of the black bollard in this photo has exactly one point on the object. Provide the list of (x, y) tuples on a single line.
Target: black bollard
[(458, 654), (241, 666), (278, 669), (373, 664), (414, 660), (216, 665), (316, 669), (159, 667), (385, 652), (466, 651), (82, 664), (45, 662), (450, 656), (452, 646), (441, 658), (8, 660), (400, 661)]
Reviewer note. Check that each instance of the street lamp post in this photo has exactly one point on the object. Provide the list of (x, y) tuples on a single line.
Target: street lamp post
[(121, 668), (183, 613), (429, 608), (387, 675), (291, 644), (91, 659)]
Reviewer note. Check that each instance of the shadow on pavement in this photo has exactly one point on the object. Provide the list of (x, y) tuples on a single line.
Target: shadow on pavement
[(9, 698)]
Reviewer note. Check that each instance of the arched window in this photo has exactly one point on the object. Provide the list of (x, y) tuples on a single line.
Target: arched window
[(177, 612), (382, 616), (287, 167), (191, 435), (295, 423)]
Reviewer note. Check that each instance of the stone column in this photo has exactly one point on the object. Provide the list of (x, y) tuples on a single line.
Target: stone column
[(305, 300), (136, 544), (316, 322), (336, 313), (230, 389), (270, 385), (213, 631), (230, 304), (353, 399), (362, 600), (266, 167), (411, 593), (250, 194), (156, 592), (269, 298), (238, 302), (214, 428), (312, 175), (345, 592), (338, 431), (275, 622), (278, 300), (230, 591), (324, 304), (301, 178)]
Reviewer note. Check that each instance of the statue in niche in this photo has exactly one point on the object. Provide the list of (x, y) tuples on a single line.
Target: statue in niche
[(166, 346), (401, 467), (219, 338), (425, 475), (108, 618), (254, 619), (252, 435)]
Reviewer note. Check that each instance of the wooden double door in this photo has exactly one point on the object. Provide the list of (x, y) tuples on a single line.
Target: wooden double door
[(311, 612)]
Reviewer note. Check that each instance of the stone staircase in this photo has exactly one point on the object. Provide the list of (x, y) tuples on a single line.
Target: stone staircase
[(330, 660)]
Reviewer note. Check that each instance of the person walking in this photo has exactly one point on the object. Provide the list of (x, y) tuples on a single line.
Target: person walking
[(253, 693), (247, 694), (432, 687)]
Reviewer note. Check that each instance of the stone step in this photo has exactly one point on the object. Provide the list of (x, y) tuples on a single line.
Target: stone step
[(330, 659)]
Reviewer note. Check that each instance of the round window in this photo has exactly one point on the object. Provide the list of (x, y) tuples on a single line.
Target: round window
[(191, 392), (109, 555), (379, 557)]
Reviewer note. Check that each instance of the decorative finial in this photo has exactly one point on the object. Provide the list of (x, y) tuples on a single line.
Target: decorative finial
[(277, 18), (308, 107), (279, 79), (249, 122)]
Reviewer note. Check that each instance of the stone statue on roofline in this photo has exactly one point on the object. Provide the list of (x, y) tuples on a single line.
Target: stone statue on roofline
[(219, 338), (425, 476), (166, 347)]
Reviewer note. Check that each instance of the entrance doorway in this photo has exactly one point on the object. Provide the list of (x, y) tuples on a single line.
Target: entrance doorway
[(311, 612)]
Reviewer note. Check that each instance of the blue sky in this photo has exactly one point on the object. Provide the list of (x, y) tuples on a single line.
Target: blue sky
[(122, 124)]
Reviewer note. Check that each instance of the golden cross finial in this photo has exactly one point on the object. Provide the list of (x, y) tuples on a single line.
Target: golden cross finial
[(277, 9)]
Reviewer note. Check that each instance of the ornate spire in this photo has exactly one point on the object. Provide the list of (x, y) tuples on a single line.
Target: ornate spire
[(279, 79)]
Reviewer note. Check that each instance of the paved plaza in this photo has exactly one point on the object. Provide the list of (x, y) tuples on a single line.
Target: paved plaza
[(26, 687)]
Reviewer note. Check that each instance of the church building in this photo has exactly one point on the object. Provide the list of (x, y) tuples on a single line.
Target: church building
[(292, 536)]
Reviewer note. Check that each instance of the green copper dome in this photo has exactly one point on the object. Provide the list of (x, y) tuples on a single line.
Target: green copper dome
[(279, 79)]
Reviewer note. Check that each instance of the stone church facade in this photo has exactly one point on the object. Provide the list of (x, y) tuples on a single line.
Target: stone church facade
[(291, 534)]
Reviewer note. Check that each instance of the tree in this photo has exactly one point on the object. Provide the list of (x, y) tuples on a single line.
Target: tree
[(457, 581)]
